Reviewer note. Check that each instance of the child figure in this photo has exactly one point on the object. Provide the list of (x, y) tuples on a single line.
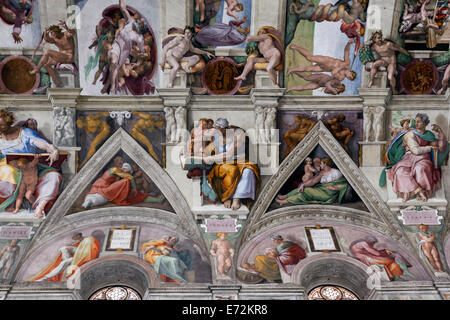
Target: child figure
[(141, 179), (29, 181), (197, 143), (126, 71), (316, 163), (309, 170), (200, 7), (404, 126), (8, 255), (223, 251)]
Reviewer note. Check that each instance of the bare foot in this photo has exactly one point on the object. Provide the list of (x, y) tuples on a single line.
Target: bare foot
[(241, 77), (236, 204), (15, 211), (370, 84), (276, 85), (38, 213), (281, 202), (405, 197), (421, 197), (34, 71), (170, 85), (227, 204)]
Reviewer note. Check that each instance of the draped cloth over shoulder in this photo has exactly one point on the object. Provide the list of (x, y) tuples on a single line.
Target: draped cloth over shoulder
[(253, 51), (413, 164), (168, 264), (319, 194), (289, 254), (224, 179), (267, 268), (88, 249), (115, 185)]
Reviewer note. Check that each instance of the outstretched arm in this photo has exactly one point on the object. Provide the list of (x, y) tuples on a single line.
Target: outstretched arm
[(64, 25), (231, 14), (199, 51), (400, 49), (257, 38), (123, 8), (347, 51), (330, 89), (51, 149), (35, 161)]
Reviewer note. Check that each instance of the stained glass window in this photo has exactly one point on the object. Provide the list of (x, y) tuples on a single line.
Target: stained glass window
[(331, 293), (116, 293)]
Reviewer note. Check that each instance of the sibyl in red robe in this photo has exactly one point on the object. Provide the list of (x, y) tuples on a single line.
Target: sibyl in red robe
[(116, 185), (289, 253), (87, 249)]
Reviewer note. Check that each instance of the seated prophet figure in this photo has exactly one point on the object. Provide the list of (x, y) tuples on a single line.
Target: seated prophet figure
[(232, 177), (414, 161), (15, 140)]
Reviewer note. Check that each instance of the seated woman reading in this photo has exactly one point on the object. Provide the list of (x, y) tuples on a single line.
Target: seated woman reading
[(327, 187)]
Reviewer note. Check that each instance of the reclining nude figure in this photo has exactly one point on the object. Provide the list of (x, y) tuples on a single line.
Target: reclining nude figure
[(340, 69), (330, 84)]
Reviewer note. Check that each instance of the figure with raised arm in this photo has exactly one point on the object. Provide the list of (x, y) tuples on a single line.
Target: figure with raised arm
[(129, 32), (62, 37)]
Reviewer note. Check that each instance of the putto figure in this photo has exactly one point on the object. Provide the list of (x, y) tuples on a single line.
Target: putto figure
[(29, 181), (8, 255), (222, 250)]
